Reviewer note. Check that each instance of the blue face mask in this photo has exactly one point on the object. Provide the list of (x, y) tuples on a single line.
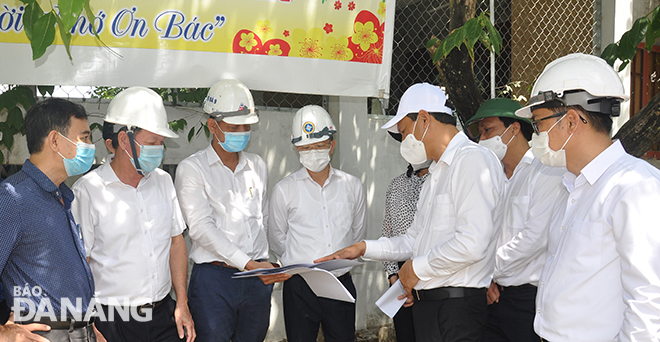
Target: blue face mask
[(83, 160), (150, 157), (234, 141)]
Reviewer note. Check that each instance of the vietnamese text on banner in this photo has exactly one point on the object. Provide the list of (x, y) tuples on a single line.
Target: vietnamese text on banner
[(329, 47)]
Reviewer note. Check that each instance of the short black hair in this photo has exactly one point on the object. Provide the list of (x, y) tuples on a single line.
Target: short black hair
[(439, 116), (109, 133), (601, 123), (525, 128), (46, 116)]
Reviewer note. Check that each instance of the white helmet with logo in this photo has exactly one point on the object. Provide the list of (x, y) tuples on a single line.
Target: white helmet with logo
[(311, 124), (231, 101), (140, 107), (578, 79)]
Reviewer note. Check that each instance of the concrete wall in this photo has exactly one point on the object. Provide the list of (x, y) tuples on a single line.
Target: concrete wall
[(362, 150)]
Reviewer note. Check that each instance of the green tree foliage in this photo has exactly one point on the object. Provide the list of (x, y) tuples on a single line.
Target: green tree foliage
[(40, 27)]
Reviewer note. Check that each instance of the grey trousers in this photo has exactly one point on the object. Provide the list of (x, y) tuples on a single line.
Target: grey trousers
[(84, 334)]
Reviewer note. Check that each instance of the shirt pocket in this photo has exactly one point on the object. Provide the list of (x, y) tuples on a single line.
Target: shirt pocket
[(341, 216), (584, 245), (518, 212), (443, 215), (161, 220), (253, 197)]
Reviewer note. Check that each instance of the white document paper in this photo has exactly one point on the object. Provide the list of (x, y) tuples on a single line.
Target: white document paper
[(318, 277), (388, 302)]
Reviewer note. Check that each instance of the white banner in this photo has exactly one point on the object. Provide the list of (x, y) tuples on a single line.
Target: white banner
[(326, 47)]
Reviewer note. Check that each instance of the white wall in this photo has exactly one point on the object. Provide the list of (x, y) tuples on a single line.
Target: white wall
[(362, 150)]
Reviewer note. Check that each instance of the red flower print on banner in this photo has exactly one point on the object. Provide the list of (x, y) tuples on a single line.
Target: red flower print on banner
[(276, 47), (367, 39), (327, 28), (286, 33), (337, 5), (351, 6), (246, 41)]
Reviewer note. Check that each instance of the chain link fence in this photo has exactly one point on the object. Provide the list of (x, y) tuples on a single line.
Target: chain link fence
[(534, 33)]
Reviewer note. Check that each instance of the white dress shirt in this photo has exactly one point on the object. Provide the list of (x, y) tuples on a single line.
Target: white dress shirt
[(225, 211), (601, 280), (128, 233), (528, 196), (452, 240), (307, 221)]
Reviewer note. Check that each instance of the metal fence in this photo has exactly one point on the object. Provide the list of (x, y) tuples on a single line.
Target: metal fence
[(534, 33)]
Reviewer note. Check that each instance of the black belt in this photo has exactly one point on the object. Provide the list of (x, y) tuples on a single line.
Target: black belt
[(442, 293), (68, 324), (516, 288), (226, 265), (152, 305)]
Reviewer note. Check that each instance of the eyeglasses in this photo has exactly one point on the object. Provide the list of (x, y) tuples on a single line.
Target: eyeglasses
[(318, 146), (535, 122)]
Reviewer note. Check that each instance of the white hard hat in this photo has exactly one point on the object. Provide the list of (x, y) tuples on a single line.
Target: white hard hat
[(231, 101), (311, 124), (578, 79), (419, 96), (140, 107)]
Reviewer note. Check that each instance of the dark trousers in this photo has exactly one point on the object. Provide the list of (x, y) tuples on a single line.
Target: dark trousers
[(227, 309), (84, 334), (449, 320), (512, 319), (304, 311), (4, 312), (404, 326), (161, 328)]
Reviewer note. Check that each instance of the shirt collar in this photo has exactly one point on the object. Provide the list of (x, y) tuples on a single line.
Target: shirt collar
[(109, 176), (455, 143), (602, 162), (45, 183), (526, 160), (212, 157), (302, 174)]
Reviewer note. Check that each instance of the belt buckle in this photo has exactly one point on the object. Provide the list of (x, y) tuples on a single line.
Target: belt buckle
[(144, 306), (72, 322), (417, 294)]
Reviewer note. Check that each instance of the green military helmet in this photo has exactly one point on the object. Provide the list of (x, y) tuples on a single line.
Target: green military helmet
[(497, 107)]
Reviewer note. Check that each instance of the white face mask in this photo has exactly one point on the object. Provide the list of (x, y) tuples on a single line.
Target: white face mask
[(315, 160), (496, 145), (413, 150), (543, 152)]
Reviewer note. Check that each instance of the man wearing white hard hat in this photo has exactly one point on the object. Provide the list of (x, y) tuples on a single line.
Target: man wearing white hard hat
[(450, 246), (222, 191), (313, 212), (132, 227), (601, 277)]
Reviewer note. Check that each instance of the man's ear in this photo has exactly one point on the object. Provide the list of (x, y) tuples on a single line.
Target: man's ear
[(211, 124), (515, 127), (332, 149), (424, 116), (51, 141), (572, 118), (122, 139)]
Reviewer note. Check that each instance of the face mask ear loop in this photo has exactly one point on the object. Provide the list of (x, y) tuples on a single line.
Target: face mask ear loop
[(426, 130), (569, 138), (555, 124), (131, 139), (507, 144), (218, 125)]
